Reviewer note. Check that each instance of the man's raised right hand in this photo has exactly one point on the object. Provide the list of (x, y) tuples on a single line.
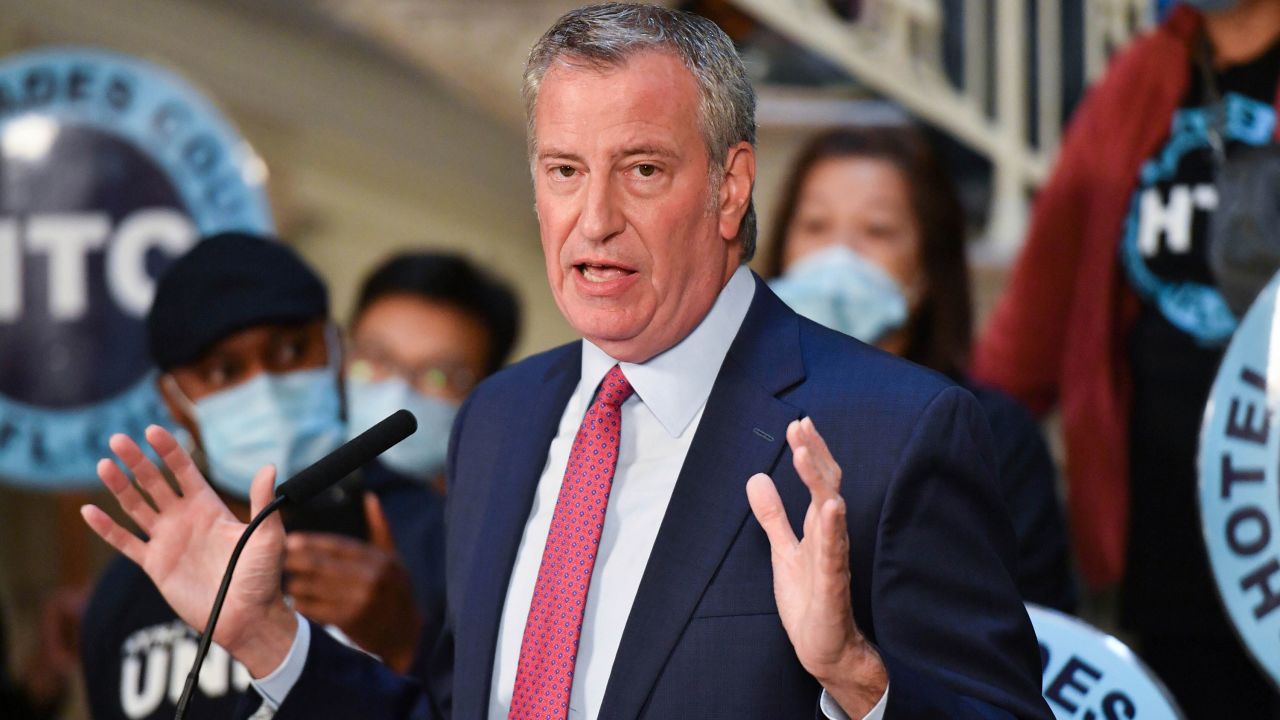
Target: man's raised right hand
[(189, 538)]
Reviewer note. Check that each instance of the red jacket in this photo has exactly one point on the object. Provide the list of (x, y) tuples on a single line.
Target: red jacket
[(1059, 332)]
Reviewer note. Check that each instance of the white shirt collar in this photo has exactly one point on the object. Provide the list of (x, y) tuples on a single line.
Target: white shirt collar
[(675, 384)]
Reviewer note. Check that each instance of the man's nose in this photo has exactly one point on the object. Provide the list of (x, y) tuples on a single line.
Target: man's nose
[(602, 216), (855, 241)]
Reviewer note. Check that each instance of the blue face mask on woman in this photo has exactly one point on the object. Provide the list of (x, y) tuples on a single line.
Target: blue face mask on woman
[(840, 289), (289, 420), (421, 456)]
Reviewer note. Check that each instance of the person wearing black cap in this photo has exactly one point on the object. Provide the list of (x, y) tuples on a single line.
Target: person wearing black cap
[(250, 365), (239, 329)]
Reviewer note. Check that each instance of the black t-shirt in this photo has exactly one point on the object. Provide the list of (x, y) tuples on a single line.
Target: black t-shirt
[(136, 653), (1178, 341)]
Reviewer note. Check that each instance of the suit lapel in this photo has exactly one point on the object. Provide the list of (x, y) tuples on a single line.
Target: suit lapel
[(513, 485), (742, 432)]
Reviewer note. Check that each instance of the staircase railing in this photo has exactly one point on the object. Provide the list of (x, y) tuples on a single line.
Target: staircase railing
[(993, 104)]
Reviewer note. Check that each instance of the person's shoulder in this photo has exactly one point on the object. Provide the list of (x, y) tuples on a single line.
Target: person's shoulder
[(1147, 57), (402, 497), (517, 377), (1019, 442), (843, 369), (504, 397), (1004, 412)]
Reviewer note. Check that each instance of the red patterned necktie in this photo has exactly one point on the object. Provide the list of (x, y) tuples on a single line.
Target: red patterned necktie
[(550, 645)]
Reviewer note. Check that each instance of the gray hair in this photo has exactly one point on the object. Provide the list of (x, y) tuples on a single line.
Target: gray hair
[(607, 35)]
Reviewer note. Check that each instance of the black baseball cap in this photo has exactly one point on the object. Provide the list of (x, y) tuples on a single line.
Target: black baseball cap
[(226, 283)]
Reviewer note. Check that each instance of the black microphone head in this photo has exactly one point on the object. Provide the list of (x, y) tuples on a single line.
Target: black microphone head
[(350, 457)]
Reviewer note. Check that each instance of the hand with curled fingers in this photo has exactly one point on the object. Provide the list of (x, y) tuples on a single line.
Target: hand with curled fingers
[(362, 588), (811, 576), (190, 534)]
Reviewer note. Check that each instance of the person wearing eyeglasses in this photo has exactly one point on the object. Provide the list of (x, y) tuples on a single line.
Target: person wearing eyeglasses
[(426, 328)]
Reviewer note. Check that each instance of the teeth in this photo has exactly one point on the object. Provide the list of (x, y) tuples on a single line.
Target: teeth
[(599, 273)]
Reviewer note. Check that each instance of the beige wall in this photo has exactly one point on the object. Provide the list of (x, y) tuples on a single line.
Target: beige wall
[(366, 158)]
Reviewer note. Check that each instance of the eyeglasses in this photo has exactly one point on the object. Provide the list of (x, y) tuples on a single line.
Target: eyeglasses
[(441, 378)]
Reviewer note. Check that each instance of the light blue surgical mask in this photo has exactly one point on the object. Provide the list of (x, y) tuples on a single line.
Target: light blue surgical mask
[(840, 289), (421, 456), (289, 420)]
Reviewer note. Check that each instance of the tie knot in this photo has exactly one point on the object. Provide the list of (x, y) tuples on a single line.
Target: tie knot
[(615, 388)]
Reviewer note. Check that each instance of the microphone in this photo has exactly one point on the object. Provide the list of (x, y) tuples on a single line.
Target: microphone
[(303, 486), (340, 463)]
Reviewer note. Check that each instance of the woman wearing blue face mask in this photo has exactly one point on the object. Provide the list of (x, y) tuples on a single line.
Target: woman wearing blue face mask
[(426, 328), (869, 240)]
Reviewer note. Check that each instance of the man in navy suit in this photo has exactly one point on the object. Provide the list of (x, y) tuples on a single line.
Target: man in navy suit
[(648, 524)]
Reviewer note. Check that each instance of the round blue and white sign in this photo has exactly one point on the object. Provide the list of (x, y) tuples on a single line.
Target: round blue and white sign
[(111, 167), (1240, 481), (1090, 675)]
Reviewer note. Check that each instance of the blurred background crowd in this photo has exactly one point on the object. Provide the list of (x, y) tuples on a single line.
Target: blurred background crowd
[(1019, 194)]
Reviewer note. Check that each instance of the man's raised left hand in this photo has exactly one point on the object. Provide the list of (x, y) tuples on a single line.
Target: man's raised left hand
[(811, 577)]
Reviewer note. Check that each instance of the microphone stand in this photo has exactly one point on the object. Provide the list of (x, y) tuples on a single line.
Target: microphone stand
[(206, 638), (316, 477)]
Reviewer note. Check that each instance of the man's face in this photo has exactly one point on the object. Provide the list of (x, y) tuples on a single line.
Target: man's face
[(636, 248), (439, 349), (273, 348)]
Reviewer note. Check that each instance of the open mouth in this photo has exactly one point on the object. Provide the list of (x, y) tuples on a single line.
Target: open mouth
[(602, 273)]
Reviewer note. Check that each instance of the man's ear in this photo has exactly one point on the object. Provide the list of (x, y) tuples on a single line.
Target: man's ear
[(735, 189)]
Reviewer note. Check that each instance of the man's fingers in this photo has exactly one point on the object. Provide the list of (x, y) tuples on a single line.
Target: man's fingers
[(812, 474), (321, 599), (324, 554), (821, 453), (769, 512), (117, 537), (379, 529), (262, 489), (176, 458), (130, 500), (261, 493), (315, 607), (324, 544), (803, 434), (813, 461), (833, 545), (147, 475), (795, 435), (305, 561), (303, 588)]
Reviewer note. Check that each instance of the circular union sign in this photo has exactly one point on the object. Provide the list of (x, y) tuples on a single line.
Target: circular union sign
[(1090, 675), (1240, 481), (110, 167)]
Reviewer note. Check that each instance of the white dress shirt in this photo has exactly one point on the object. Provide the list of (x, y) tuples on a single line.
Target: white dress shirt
[(658, 424)]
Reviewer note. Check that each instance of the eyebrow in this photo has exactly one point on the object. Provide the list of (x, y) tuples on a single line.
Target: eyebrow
[(652, 150), (553, 153), (647, 150)]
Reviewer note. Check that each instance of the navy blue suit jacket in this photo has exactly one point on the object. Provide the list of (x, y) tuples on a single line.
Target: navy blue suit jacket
[(931, 545)]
